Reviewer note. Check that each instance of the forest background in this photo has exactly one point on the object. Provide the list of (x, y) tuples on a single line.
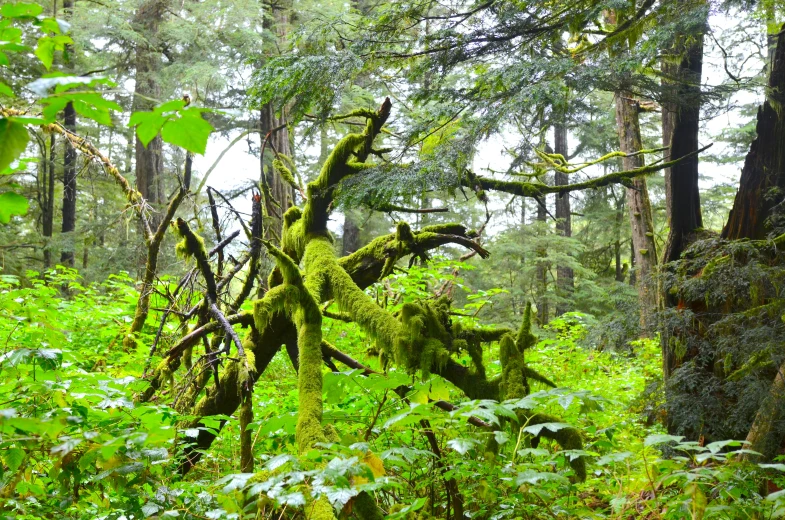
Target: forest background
[(427, 185)]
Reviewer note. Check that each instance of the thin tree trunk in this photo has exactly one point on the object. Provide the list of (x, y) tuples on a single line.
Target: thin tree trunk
[(543, 311), (564, 274), (149, 159), (48, 209), (668, 107), (69, 172), (639, 206)]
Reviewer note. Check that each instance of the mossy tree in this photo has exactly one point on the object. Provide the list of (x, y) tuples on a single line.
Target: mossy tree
[(420, 339)]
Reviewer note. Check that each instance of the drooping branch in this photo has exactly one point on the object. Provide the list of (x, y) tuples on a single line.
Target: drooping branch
[(93, 153)]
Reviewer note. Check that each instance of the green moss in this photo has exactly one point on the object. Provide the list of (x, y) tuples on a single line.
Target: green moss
[(300, 304), (331, 433), (526, 339), (286, 174), (364, 507), (293, 239), (514, 384), (568, 438), (445, 229), (319, 509), (191, 245)]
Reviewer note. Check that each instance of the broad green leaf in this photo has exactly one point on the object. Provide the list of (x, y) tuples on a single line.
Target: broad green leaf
[(659, 439), (21, 10), (535, 429), (100, 115), (462, 445), (147, 124), (5, 90), (13, 141), (531, 476), (189, 131), (411, 508), (170, 106), (12, 204), (45, 51), (13, 458)]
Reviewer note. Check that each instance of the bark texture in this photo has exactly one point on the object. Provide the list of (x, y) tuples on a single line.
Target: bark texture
[(763, 176), (683, 118), (765, 435), (639, 205), (149, 159), (48, 200), (272, 125), (564, 274), (69, 172)]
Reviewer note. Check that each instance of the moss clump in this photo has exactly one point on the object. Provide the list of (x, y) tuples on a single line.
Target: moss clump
[(422, 342), (568, 438), (514, 385), (319, 509), (331, 433), (191, 245), (286, 174), (526, 339), (364, 507)]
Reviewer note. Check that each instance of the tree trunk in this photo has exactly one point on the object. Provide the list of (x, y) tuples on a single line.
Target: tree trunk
[(48, 209), (763, 176), (684, 118), (542, 270), (351, 233), (279, 139), (69, 171), (564, 274), (668, 107), (149, 160), (639, 206), (766, 433), (621, 270)]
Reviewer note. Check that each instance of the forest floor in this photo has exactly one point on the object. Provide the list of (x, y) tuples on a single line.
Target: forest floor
[(69, 416)]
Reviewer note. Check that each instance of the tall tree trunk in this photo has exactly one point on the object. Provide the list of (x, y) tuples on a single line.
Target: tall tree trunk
[(69, 171), (668, 109), (564, 274), (639, 206), (149, 160), (683, 119), (48, 209), (763, 175), (279, 138), (543, 311)]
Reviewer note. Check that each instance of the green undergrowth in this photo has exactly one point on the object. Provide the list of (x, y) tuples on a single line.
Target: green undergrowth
[(75, 444)]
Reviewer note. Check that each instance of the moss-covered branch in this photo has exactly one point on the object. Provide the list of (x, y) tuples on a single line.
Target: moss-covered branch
[(192, 245), (536, 190)]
